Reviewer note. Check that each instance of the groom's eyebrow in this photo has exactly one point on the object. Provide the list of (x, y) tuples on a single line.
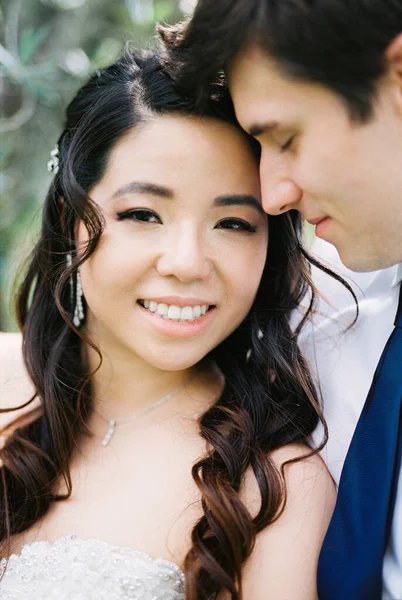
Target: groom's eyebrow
[(257, 129), (240, 200)]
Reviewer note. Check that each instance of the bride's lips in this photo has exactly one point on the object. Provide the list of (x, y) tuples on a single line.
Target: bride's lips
[(175, 328)]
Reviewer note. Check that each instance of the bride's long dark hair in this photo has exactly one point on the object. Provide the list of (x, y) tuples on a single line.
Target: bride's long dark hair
[(268, 399)]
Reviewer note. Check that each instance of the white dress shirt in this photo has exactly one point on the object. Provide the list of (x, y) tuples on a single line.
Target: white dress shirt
[(343, 363)]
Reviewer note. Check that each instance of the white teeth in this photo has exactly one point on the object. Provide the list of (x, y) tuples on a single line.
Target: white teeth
[(174, 312), (187, 313), (162, 309)]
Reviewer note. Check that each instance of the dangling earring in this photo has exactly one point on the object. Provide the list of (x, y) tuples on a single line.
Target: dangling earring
[(79, 307)]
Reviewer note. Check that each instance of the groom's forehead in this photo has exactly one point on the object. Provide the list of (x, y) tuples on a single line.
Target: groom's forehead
[(253, 68), (258, 79), (255, 77)]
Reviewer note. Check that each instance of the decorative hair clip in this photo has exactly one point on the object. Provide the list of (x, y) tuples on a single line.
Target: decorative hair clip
[(53, 164)]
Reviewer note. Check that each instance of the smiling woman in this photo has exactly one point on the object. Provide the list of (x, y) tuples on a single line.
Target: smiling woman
[(156, 336), (175, 238)]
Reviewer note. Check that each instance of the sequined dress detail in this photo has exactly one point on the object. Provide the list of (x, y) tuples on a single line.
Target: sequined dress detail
[(76, 569)]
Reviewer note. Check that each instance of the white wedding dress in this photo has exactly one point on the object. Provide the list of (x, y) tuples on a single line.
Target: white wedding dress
[(77, 569)]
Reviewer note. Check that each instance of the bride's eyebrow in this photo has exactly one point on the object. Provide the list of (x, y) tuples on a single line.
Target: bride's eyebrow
[(141, 187), (240, 200)]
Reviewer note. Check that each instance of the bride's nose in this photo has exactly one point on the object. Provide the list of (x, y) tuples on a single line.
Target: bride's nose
[(185, 256)]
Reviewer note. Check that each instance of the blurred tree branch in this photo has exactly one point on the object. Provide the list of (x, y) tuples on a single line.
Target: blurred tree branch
[(47, 49)]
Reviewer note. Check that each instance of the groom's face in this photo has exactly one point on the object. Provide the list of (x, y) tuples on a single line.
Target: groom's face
[(343, 176)]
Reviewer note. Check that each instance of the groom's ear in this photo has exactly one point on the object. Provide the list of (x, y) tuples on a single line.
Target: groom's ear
[(393, 68)]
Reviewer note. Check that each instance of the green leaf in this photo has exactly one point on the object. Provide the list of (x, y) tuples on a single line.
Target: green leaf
[(31, 40), (163, 10)]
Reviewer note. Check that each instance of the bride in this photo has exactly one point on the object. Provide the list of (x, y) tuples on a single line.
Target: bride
[(164, 453)]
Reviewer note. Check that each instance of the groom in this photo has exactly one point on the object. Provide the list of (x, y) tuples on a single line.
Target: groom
[(319, 85)]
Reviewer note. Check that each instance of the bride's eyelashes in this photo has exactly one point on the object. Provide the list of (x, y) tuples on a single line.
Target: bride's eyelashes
[(144, 215), (236, 225)]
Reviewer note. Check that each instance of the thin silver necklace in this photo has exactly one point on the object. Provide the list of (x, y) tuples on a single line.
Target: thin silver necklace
[(114, 422)]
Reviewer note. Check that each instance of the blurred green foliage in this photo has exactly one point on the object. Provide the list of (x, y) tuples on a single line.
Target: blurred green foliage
[(47, 50)]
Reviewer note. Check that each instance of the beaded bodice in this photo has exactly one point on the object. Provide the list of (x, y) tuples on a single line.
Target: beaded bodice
[(76, 569)]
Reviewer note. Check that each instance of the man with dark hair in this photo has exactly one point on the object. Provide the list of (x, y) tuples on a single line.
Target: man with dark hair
[(319, 84)]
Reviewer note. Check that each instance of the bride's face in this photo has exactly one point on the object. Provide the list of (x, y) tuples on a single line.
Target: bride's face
[(181, 257)]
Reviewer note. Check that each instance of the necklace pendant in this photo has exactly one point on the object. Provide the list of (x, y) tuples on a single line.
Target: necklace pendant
[(110, 432)]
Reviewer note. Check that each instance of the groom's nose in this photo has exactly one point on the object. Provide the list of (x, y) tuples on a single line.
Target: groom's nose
[(279, 192)]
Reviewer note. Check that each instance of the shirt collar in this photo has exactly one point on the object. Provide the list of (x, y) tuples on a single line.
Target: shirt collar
[(398, 275)]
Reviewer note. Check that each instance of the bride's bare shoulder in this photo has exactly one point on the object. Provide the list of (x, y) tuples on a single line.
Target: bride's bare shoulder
[(15, 386)]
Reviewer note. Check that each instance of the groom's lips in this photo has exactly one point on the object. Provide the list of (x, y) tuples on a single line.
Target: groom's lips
[(321, 224), (317, 220)]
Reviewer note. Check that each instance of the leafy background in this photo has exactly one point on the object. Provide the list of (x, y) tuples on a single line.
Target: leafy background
[(47, 50)]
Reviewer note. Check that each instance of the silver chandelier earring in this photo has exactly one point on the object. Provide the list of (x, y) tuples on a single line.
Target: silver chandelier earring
[(79, 307)]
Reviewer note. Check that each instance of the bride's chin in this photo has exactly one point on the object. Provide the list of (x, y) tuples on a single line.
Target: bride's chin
[(174, 365)]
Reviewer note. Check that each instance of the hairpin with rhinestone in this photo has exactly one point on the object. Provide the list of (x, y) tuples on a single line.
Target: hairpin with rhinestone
[(53, 164)]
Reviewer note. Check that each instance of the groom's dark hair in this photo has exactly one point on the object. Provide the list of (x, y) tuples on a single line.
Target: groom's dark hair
[(337, 43)]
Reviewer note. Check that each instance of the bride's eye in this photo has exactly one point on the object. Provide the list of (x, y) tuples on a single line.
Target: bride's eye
[(139, 214), (236, 225)]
